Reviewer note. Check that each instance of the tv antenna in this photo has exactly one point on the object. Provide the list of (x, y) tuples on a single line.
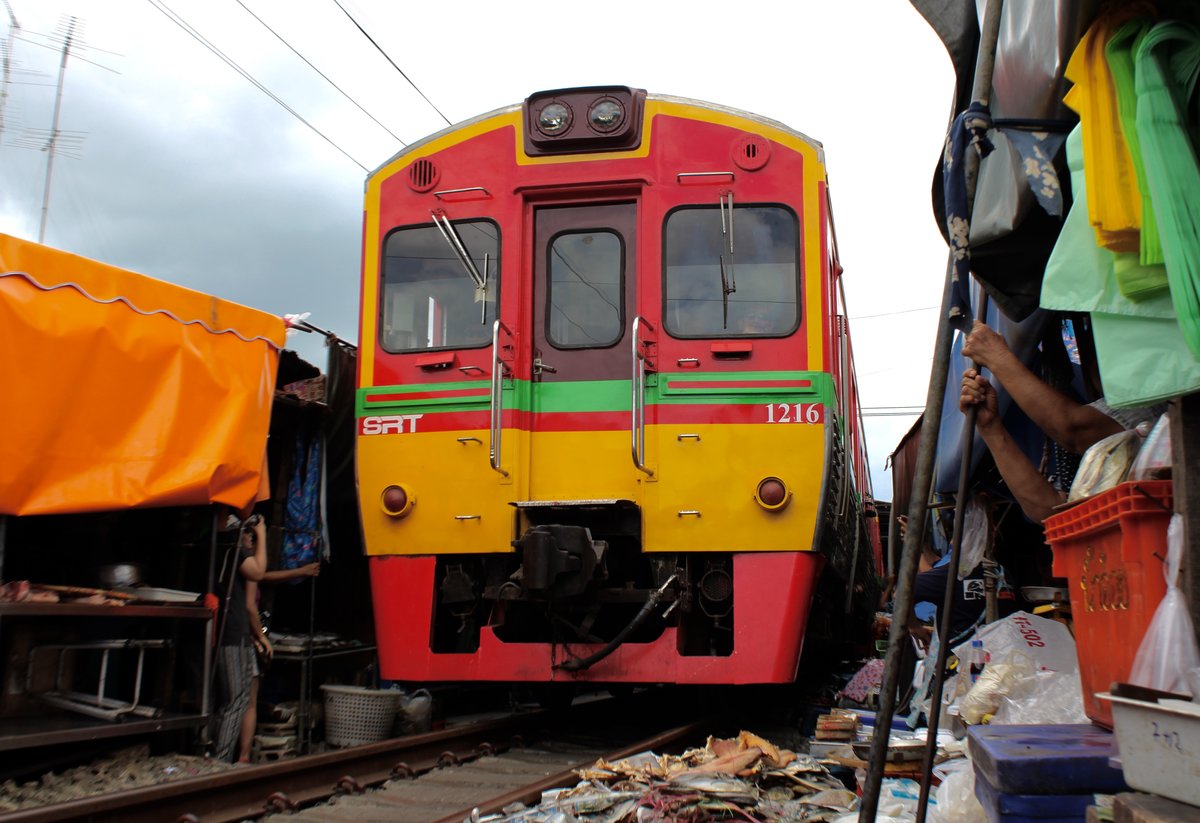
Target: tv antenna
[(55, 134), (6, 61), (68, 41)]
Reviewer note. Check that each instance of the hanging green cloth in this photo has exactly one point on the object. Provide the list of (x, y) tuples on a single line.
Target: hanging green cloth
[(1166, 68), (1080, 274), (1138, 275), (1119, 51)]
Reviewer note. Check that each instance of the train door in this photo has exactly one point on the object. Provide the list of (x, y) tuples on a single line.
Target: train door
[(583, 308)]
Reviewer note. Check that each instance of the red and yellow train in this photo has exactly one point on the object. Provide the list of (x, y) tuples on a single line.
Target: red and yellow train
[(608, 421)]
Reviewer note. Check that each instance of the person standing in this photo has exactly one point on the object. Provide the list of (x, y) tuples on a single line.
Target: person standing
[(241, 641)]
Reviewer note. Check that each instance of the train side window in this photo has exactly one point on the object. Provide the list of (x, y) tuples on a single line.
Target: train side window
[(428, 299), (754, 292), (584, 295)]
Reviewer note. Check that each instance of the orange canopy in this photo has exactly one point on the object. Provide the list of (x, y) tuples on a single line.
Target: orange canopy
[(120, 390)]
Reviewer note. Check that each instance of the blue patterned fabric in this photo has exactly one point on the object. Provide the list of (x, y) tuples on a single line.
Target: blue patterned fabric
[(969, 131), (302, 523), (1037, 150)]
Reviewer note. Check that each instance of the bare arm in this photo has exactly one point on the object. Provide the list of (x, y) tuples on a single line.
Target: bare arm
[(253, 568), (1033, 492), (1072, 425), (280, 575)]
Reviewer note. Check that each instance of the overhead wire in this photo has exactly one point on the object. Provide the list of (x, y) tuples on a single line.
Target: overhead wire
[(390, 60), (890, 313), (183, 24), (318, 71)]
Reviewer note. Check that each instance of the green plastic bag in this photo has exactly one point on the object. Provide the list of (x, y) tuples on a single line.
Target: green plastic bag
[(1166, 67), (1142, 353), (1079, 275), (1119, 51), (1143, 360)]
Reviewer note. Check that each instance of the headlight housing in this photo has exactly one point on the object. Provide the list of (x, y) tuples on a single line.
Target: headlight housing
[(606, 115), (554, 118)]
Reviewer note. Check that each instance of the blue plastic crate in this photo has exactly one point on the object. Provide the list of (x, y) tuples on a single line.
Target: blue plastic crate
[(1047, 760), (1031, 808)]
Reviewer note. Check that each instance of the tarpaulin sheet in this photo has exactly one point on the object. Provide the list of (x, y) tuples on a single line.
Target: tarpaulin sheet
[(124, 391)]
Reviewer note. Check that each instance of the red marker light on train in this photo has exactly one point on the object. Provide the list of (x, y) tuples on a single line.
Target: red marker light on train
[(772, 494), (397, 501)]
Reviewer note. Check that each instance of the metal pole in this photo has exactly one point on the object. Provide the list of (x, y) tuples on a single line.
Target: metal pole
[(893, 527), (984, 65), (206, 693), (53, 142), (985, 62), (946, 613)]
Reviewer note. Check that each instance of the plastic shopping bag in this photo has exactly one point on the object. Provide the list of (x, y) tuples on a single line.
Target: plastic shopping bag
[(1168, 649), (1046, 644), (974, 539)]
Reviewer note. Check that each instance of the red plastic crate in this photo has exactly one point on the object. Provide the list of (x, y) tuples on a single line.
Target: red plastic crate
[(1111, 548)]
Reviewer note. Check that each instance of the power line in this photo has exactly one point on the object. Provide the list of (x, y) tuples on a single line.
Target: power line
[(318, 71), (890, 313), (397, 68), (179, 21)]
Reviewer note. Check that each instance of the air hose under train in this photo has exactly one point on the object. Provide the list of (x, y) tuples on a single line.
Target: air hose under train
[(580, 663)]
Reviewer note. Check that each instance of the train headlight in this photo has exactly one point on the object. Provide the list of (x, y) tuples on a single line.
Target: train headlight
[(606, 115), (397, 501), (554, 118), (772, 494)]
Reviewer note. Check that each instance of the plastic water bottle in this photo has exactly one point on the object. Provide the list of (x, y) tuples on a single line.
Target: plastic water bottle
[(977, 659)]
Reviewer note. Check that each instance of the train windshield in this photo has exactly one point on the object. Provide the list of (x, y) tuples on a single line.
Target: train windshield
[(434, 295), (750, 292)]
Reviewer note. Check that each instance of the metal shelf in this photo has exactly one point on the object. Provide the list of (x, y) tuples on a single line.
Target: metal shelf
[(91, 610), (26, 732)]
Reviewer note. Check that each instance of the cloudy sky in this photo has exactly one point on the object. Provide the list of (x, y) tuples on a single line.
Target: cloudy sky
[(177, 166)]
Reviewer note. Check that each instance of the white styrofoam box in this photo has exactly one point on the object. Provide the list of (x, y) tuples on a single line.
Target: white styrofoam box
[(1159, 745)]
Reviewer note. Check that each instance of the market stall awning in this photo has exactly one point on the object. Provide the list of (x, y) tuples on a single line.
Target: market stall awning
[(124, 391)]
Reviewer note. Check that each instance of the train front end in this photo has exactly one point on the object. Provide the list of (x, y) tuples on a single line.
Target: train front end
[(598, 394)]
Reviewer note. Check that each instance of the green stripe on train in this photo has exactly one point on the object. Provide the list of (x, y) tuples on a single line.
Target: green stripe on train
[(600, 395)]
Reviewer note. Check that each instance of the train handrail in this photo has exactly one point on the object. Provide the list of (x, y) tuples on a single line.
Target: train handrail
[(495, 424), (637, 423)]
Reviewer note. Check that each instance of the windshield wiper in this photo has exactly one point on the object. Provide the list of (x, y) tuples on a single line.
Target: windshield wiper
[(728, 282), (460, 251), (456, 245)]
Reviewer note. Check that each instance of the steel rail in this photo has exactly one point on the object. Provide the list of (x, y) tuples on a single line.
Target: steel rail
[(252, 791)]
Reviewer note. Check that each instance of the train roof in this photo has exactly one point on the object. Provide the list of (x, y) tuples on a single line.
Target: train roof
[(667, 98)]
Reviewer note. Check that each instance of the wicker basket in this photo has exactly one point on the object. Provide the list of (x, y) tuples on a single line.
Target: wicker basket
[(354, 715)]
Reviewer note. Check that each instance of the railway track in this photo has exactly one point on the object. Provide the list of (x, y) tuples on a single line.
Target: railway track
[(442, 775)]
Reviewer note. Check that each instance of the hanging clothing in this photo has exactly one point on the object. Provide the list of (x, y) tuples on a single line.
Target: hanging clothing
[(302, 521), (1114, 203), (1119, 53), (1167, 68)]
